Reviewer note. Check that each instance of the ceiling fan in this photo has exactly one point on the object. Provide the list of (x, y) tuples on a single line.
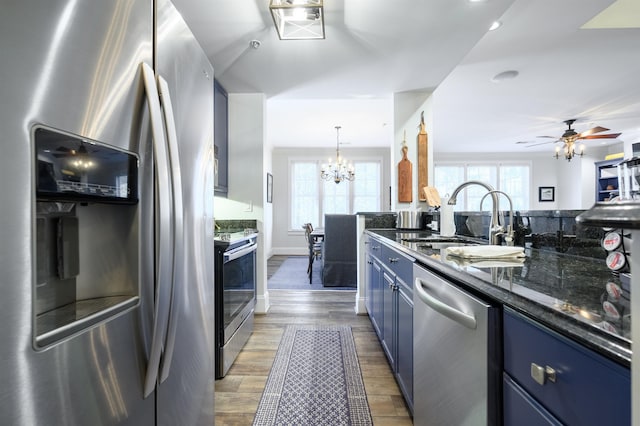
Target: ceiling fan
[(570, 136)]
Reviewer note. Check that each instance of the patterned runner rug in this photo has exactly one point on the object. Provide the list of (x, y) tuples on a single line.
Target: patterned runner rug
[(315, 380)]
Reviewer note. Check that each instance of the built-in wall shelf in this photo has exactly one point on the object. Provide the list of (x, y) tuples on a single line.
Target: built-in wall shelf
[(606, 179)]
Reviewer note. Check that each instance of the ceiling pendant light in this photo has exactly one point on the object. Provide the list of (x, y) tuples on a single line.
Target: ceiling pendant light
[(298, 19), (339, 170)]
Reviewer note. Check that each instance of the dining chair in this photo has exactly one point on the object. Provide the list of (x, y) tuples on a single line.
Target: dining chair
[(315, 248)]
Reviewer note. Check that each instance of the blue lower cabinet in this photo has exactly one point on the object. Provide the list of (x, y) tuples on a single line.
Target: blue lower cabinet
[(390, 306), (389, 318), (520, 409), (575, 384), (404, 357)]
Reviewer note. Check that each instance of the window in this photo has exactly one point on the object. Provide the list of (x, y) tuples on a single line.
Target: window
[(312, 197), (512, 178), (304, 193)]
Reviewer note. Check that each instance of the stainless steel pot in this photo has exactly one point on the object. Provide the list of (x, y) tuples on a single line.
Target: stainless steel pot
[(409, 219)]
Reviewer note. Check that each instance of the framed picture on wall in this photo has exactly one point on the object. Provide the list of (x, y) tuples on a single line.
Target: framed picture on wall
[(269, 188), (546, 193)]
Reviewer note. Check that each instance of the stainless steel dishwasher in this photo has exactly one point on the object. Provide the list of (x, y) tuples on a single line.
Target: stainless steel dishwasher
[(456, 355)]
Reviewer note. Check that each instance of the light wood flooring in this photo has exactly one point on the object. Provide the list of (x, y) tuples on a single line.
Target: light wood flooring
[(238, 394)]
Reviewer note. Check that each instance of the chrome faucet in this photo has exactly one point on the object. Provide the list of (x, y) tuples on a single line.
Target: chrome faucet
[(509, 233), (495, 229)]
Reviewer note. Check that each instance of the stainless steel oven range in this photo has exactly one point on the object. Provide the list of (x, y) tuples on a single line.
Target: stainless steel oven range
[(235, 295)]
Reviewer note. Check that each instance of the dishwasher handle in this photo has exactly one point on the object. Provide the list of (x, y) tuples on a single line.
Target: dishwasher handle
[(450, 312)]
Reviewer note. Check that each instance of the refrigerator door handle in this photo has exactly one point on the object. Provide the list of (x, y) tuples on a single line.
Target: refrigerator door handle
[(178, 243), (439, 306), (164, 229)]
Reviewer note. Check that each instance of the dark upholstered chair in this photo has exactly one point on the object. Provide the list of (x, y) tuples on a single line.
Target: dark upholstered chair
[(339, 251)]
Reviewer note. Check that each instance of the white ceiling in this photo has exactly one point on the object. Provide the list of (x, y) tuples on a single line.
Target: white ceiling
[(374, 49)]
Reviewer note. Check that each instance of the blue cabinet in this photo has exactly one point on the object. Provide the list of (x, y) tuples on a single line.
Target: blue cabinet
[(404, 357), (374, 301), (521, 409), (389, 320), (573, 384), (220, 139), (390, 305)]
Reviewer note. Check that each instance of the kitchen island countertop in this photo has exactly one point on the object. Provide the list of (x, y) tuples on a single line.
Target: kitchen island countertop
[(565, 292)]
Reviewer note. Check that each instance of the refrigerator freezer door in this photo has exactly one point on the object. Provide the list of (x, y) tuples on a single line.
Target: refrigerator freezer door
[(71, 65), (186, 396)]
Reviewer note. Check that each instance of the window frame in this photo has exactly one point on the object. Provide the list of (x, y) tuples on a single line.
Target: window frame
[(320, 186), (462, 204)]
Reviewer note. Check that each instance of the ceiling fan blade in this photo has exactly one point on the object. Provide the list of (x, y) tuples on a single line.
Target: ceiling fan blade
[(596, 129), (542, 143), (607, 136), (552, 137)]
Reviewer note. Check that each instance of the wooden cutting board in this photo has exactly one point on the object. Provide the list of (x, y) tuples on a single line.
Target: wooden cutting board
[(431, 196), (422, 159), (405, 177)]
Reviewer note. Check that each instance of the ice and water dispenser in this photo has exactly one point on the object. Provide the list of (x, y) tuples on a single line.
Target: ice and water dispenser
[(87, 239)]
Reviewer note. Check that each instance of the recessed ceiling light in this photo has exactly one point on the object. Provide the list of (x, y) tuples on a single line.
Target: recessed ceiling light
[(505, 75), (495, 25)]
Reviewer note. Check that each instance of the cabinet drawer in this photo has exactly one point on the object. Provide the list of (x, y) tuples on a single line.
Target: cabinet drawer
[(522, 410), (400, 264), (588, 389)]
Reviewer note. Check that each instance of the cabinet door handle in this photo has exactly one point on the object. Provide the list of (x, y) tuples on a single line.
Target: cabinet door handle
[(393, 259), (541, 374)]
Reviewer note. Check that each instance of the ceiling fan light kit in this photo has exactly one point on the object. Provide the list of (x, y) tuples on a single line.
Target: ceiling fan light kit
[(569, 149), (570, 136), (298, 19)]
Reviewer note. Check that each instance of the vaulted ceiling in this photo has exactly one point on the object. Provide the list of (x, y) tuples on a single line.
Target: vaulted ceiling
[(575, 60)]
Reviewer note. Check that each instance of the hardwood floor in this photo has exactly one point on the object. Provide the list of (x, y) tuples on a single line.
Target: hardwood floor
[(238, 394)]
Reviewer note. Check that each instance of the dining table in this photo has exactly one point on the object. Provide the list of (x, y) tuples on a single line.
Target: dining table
[(317, 235)]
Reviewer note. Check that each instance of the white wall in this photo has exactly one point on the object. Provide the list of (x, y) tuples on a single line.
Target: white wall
[(246, 197), (407, 108), (292, 242)]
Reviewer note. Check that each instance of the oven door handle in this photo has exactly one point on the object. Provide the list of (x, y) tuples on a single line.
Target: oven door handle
[(239, 252)]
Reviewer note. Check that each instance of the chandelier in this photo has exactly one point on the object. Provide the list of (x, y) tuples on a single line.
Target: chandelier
[(339, 170), (569, 150), (298, 19)]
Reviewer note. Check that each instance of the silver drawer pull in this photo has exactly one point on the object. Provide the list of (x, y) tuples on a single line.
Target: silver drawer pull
[(541, 374), (393, 259)]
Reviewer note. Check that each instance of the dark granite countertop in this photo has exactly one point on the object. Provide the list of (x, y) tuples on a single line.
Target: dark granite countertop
[(231, 240), (565, 292)]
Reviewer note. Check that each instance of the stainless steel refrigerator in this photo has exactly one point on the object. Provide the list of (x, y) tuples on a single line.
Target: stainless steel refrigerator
[(106, 218)]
